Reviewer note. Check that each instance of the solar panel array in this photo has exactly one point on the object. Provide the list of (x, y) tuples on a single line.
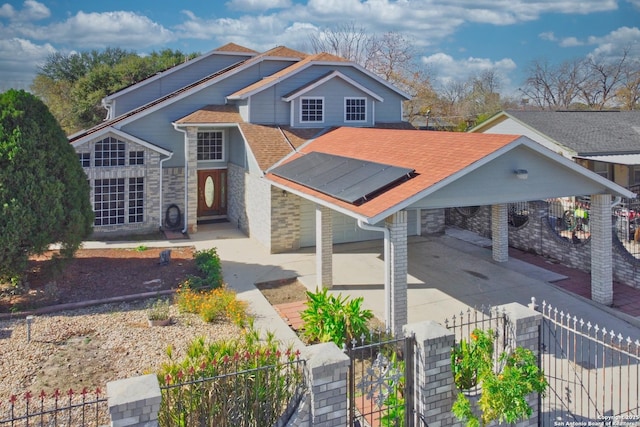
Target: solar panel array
[(347, 179)]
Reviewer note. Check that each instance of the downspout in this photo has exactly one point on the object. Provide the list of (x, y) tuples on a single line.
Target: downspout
[(616, 201), (161, 173), (186, 174), (387, 270)]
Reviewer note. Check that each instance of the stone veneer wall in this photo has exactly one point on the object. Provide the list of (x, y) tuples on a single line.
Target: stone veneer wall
[(285, 221), (150, 171), (538, 237), (432, 221), (173, 190)]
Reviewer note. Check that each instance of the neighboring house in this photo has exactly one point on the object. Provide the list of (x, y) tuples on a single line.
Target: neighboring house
[(606, 142), (192, 143)]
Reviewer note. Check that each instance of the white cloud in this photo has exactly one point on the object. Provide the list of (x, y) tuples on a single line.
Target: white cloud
[(447, 69), (570, 42), (614, 43), (31, 11), (257, 5), (635, 3), (549, 36), (99, 30), (19, 61)]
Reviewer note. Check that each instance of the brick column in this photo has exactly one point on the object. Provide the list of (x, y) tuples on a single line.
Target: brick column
[(397, 225), (191, 161), (433, 378), (524, 329), (134, 402), (324, 247), (500, 233), (328, 369), (601, 249)]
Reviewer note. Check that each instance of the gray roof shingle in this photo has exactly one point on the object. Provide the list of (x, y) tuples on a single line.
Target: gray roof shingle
[(587, 132)]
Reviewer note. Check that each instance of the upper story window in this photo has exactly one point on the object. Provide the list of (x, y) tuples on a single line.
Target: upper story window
[(85, 159), (109, 152), (355, 109), (136, 157), (311, 110), (210, 145), (635, 175)]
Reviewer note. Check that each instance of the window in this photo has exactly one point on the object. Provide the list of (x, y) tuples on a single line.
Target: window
[(635, 175), (601, 169), (136, 200), (136, 157), (108, 202), (311, 110), (109, 152), (210, 145), (85, 159), (355, 110)]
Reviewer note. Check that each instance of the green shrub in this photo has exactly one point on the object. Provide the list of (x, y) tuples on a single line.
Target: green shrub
[(245, 381), (334, 318)]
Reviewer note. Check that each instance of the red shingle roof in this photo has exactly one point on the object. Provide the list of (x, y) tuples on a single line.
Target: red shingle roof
[(435, 156)]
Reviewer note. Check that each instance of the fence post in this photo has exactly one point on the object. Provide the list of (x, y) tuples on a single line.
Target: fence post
[(523, 331), (134, 401), (433, 378), (328, 368)]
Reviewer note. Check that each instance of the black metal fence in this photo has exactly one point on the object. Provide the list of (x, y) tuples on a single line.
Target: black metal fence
[(58, 409), (569, 218), (380, 381), (263, 396), (484, 318), (626, 225), (593, 373)]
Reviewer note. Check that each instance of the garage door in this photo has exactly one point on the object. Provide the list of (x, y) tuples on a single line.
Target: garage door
[(345, 228)]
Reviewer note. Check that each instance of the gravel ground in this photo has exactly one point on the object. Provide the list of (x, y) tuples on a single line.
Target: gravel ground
[(91, 346)]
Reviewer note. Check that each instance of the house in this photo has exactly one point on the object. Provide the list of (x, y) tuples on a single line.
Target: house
[(606, 142), (309, 150), (192, 143)]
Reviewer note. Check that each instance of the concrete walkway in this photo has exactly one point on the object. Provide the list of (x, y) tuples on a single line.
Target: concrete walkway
[(447, 275)]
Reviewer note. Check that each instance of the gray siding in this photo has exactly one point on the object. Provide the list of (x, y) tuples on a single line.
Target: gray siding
[(268, 106), (237, 151), (172, 81)]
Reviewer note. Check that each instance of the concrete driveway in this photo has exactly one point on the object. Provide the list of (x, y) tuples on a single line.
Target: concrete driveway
[(447, 275)]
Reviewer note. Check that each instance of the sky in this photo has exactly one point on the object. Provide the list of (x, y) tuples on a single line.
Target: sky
[(451, 39)]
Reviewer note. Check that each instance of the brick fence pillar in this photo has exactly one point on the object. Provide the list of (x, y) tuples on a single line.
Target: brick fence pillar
[(524, 330), (328, 369), (134, 402), (601, 249), (433, 378)]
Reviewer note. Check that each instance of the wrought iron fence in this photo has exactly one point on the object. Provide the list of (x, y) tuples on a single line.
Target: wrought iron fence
[(380, 388), (569, 218), (262, 396), (626, 225), (518, 214), (58, 409), (593, 373)]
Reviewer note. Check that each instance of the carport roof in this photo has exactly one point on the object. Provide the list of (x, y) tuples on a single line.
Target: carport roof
[(438, 158)]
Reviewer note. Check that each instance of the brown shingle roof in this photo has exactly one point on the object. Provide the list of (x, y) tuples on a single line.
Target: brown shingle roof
[(435, 156), (213, 114), (267, 143), (232, 47)]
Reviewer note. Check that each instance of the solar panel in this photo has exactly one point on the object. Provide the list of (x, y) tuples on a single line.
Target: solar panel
[(347, 179)]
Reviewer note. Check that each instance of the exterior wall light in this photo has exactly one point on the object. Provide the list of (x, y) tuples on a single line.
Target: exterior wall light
[(521, 173)]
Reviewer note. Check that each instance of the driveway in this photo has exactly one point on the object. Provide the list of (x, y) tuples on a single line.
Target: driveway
[(447, 275)]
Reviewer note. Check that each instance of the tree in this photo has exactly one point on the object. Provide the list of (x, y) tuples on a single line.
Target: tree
[(44, 193), (345, 41)]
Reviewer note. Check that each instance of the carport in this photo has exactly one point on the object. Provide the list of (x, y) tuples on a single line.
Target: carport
[(376, 175)]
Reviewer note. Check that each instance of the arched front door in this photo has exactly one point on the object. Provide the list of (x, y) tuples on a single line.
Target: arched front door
[(212, 192)]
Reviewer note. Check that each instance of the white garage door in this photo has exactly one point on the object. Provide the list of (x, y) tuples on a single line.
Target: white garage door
[(345, 228)]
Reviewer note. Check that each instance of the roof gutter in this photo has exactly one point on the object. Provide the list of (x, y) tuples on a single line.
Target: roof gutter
[(387, 270), (186, 174)]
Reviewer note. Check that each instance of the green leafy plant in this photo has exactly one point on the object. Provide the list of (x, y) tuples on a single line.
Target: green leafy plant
[(334, 317), (470, 359), (246, 380), (504, 391), (394, 403), (213, 305), (209, 264)]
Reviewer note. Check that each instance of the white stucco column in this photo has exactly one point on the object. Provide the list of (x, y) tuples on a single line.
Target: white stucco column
[(500, 232), (324, 247), (397, 225), (601, 249)]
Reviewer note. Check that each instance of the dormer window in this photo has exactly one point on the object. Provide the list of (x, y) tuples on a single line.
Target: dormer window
[(355, 109), (312, 110)]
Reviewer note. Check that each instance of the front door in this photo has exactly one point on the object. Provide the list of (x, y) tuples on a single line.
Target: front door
[(212, 192)]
